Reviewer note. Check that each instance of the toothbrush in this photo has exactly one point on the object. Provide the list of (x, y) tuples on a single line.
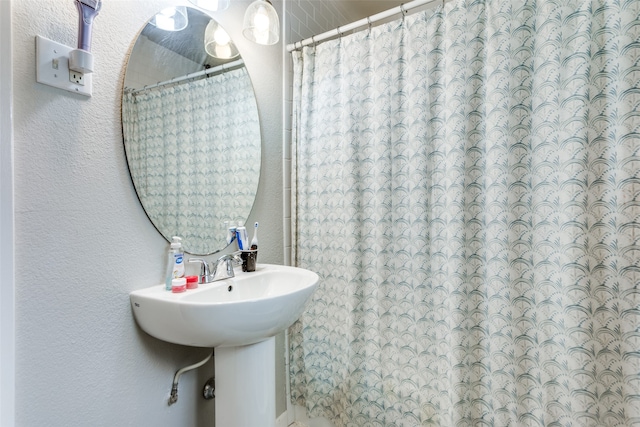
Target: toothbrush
[(254, 241)]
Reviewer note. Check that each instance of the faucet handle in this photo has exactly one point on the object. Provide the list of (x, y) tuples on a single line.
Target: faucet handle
[(230, 264), (228, 260), (203, 277), (237, 258), (230, 271)]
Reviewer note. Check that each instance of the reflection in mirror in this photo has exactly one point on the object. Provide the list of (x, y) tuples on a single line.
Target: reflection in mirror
[(192, 140)]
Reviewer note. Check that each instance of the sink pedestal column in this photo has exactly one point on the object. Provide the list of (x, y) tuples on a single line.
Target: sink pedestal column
[(245, 385)]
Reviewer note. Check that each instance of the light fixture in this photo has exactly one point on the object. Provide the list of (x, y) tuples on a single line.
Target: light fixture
[(261, 24), (217, 42), (212, 5), (171, 19)]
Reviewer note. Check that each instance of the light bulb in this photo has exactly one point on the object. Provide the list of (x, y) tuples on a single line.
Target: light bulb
[(164, 22), (261, 23), (221, 37), (218, 43), (212, 5), (223, 51), (261, 20), (171, 19)]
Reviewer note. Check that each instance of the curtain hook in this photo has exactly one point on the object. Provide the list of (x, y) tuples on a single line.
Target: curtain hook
[(403, 11), (369, 23)]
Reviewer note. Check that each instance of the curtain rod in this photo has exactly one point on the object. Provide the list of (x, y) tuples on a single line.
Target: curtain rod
[(403, 8), (222, 67)]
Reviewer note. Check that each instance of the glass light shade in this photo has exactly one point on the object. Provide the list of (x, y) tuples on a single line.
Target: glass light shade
[(261, 24), (217, 42), (212, 5), (171, 19)]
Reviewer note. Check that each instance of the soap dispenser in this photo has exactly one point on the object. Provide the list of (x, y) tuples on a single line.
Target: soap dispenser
[(175, 262)]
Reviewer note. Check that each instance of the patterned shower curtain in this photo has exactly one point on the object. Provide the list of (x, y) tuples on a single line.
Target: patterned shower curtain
[(467, 186), (187, 145)]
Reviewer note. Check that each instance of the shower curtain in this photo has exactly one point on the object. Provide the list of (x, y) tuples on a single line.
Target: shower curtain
[(466, 183), (189, 137)]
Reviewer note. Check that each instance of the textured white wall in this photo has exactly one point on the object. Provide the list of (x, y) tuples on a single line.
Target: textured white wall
[(83, 241)]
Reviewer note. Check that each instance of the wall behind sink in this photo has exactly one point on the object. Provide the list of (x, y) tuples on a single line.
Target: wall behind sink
[(83, 241)]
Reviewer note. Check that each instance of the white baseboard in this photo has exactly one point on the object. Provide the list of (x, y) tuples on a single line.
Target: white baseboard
[(300, 415), (282, 420)]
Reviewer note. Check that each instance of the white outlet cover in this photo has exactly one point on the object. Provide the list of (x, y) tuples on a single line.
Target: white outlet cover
[(52, 67)]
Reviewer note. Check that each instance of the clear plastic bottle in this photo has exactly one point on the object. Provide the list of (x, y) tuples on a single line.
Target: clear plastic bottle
[(175, 262)]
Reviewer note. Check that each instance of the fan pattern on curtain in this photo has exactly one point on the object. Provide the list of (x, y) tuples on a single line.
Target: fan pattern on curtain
[(467, 186), (187, 145)]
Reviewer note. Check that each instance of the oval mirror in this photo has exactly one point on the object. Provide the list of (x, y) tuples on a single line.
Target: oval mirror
[(191, 129)]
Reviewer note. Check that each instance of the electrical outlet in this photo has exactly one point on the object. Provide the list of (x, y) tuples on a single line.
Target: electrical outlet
[(76, 77), (52, 68)]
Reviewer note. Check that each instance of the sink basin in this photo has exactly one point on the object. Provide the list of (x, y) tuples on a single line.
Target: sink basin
[(246, 309)]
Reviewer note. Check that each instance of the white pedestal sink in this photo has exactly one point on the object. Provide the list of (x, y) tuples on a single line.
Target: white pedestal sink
[(245, 385), (239, 318)]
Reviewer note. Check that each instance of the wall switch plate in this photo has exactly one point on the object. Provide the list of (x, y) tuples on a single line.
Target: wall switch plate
[(52, 68)]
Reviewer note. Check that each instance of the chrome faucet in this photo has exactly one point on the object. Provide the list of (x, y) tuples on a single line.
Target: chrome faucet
[(208, 271), (203, 277)]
